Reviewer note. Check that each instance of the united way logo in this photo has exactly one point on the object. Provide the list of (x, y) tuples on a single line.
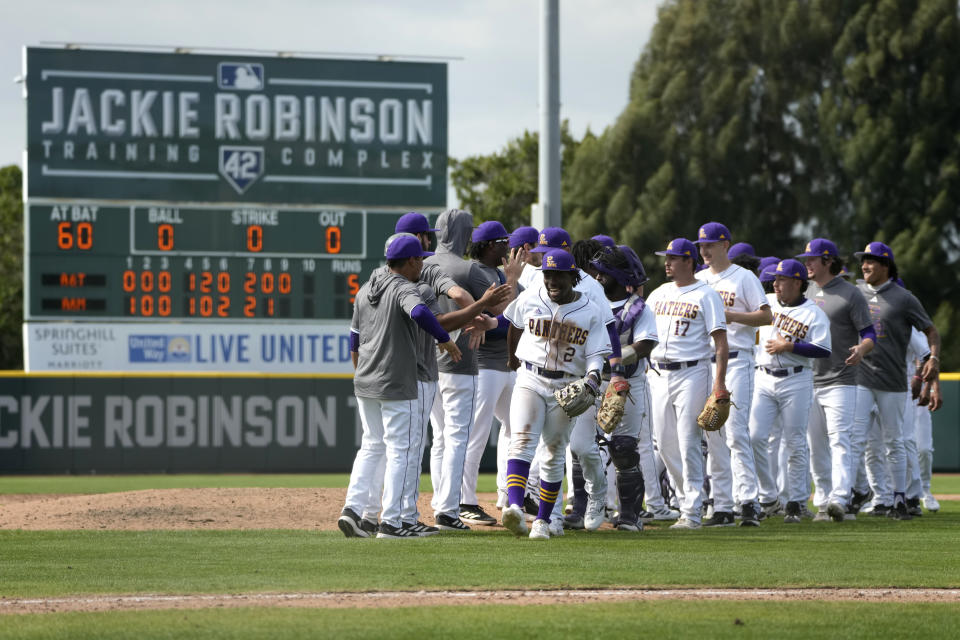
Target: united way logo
[(244, 76), (241, 166), (159, 348)]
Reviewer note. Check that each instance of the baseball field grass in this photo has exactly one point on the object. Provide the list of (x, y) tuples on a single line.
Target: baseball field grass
[(870, 553)]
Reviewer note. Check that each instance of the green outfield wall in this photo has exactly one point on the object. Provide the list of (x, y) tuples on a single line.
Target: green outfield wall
[(131, 423)]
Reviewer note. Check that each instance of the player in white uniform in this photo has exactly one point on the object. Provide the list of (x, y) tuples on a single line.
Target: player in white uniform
[(555, 336), (733, 474), (689, 313), (784, 387)]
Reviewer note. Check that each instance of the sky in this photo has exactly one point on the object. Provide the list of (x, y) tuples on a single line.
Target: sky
[(493, 46)]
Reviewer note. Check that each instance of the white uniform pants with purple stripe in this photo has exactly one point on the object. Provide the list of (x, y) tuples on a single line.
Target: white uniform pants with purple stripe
[(789, 398), (389, 428), (677, 398), (535, 417), (452, 418), (889, 406)]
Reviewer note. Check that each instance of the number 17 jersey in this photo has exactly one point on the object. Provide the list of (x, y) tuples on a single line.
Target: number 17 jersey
[(686, 316)]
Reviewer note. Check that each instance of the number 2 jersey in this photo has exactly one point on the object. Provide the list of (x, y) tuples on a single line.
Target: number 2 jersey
[(559, 337), (686, 316), (805, 321)]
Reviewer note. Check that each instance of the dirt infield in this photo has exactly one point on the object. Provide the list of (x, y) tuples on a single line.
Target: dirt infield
[(393, 599)]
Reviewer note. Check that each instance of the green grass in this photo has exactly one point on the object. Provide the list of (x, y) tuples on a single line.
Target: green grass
[(871, 552), (669, 619)]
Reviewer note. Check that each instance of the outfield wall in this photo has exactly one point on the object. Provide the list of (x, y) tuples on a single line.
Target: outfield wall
[(135, 423)]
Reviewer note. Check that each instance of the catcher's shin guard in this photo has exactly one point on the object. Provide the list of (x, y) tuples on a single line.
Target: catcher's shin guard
[(626, 459), (579, 488)]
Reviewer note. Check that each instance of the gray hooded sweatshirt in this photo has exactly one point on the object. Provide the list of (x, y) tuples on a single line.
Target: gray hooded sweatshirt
[(453, 235), (389, 340)]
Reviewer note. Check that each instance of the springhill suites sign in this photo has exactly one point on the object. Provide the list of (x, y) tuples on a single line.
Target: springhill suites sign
[(209, 128)]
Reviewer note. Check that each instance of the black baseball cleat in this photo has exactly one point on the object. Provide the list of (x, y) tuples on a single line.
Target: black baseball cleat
[(449, 523), (474, 514), (628, 524), (422, 530), (352, 525), (899, 511), (793, 513), (370, 527), (858, 500), (390, 531), (531, 506), (749, 516), (720, 519), (913, 507), (881, 510)]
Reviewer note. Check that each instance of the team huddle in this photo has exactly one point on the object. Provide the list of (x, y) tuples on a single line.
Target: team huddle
[(828, 384)]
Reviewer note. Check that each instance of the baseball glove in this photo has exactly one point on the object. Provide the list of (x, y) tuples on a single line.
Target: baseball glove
[(612, 407), (715, 412), (578, 396)]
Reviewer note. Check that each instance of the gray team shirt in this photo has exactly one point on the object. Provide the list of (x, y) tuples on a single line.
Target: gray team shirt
[(427, 347), (455, 227), (387, 356), (847, 310), (893, 310), (492, 354)]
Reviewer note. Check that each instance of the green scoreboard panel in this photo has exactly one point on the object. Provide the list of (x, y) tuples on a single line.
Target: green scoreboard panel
[(103, 261)]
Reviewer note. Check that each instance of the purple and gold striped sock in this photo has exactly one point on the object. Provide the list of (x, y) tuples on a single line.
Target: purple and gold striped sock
[(549, 491), (517, 472)]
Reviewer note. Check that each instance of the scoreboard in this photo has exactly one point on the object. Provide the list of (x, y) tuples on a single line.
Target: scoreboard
[(102, 261)]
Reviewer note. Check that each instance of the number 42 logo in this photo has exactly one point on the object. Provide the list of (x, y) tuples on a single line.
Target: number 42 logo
[(241, 166)]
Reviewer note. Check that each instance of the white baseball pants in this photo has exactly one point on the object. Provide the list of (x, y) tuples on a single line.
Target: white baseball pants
[(889, 406), (494, 389), (924, 433), (452, 419), (535, 416), (677, 399), (828, 433), (733, 473)]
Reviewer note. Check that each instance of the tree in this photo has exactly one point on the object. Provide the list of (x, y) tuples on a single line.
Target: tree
[(503, 186), (11, 267)]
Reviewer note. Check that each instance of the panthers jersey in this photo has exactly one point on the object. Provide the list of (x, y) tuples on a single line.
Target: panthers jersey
[(805, 321), (559, 337), (686, 318)]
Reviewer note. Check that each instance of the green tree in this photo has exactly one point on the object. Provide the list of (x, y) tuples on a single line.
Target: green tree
[(11, 267), (503, 186)]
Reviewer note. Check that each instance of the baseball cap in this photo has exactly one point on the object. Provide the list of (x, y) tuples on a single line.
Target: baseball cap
[(606, 241), (791, 268), (875, 250), (713, 232), (489, 230), (819, 247), (679, 247), (523, 235), (741, 249), (404, 245), (552, 238), (557, 260), (767, 267), (413, 222)]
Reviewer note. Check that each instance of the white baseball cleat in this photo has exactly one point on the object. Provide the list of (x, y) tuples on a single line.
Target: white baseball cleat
[(514, 521), (595, 515), (685, 523), (822, 516), (540, 530), (930, 503), (556, 528), (665, 513)]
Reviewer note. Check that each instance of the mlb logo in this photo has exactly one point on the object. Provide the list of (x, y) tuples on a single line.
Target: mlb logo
[(241, 166), (247, 76)]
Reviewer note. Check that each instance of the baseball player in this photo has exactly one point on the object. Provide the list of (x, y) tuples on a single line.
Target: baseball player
[(743, 255), (494, 380), (834, 379), (689, 313), (928, 399), (605, 241), (630, 445), (453, 411), (784, 388), (733, 474), (555, 335), (881, 377), (386, 317)]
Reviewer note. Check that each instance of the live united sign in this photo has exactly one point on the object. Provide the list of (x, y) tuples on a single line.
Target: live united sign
[(206, 128)]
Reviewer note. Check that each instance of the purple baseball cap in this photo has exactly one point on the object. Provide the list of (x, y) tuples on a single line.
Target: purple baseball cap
[(489, 230), (523, 235), (680, 247), (766, 268), (741, 249), (557, 260), (875, 250), (791, 268), (552, 238), (405, 245), (413, 222), (818, 248), (713, 232), (606, 241)]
